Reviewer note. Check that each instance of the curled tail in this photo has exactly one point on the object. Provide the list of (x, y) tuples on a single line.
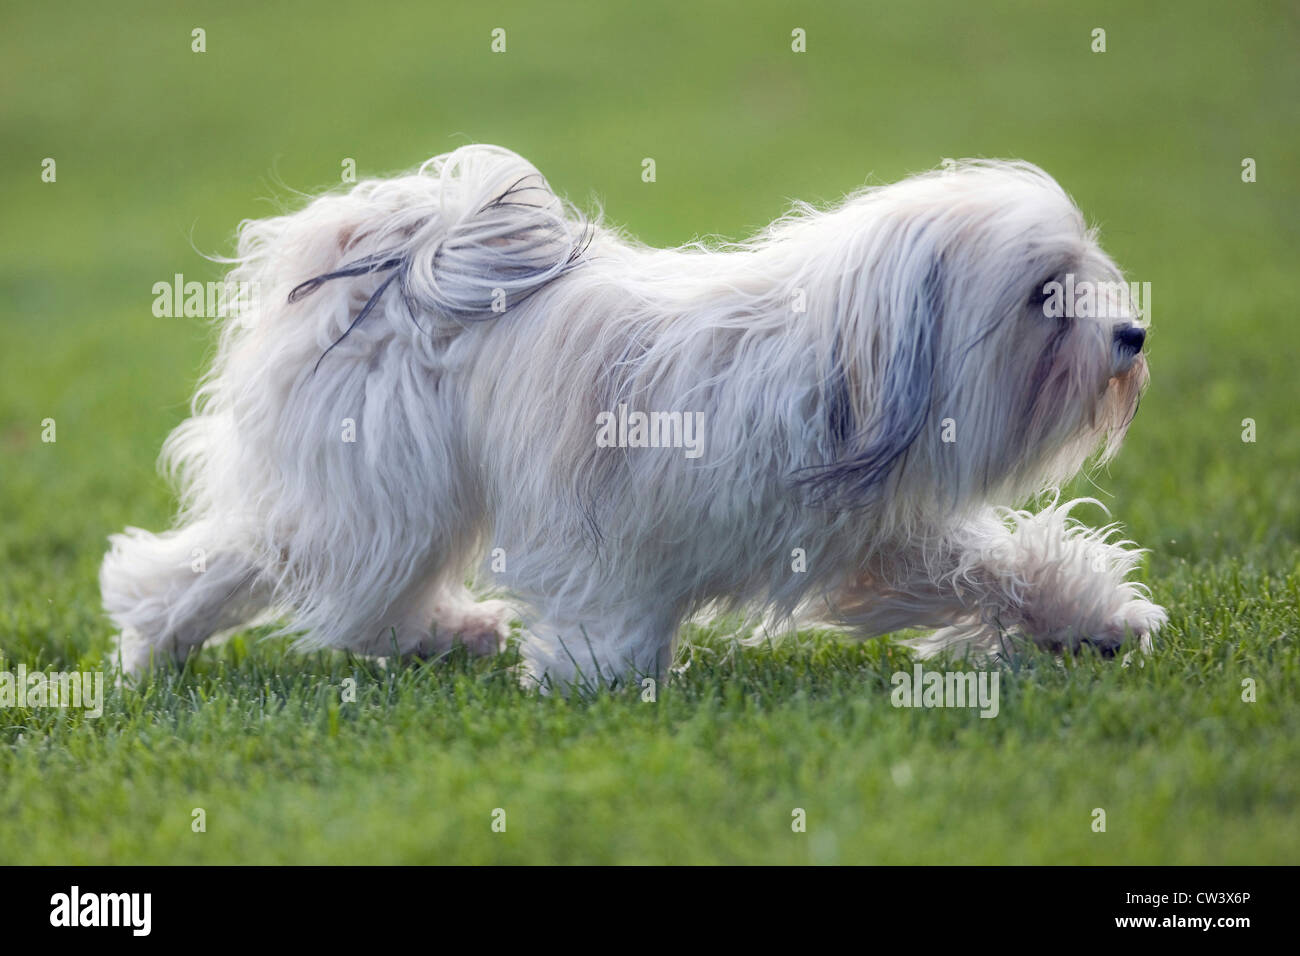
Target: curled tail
[(471, 234)]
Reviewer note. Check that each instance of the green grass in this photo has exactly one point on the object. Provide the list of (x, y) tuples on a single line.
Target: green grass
[(160, 150)]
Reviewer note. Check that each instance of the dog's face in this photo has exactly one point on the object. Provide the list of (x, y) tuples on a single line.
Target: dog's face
[(996, 346), (1088, 372)]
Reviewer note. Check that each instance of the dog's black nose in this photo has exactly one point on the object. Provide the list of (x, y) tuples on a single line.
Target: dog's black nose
[(1130, 337)]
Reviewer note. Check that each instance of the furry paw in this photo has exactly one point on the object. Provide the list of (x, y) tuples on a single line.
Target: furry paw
[(1138, 618), (483, 627), (138, 655)]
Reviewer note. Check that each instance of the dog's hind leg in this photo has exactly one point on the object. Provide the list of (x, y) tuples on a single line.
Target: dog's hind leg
[(170, 592)]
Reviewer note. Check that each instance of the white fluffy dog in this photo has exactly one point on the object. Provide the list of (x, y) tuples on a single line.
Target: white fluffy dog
[(453, 375)]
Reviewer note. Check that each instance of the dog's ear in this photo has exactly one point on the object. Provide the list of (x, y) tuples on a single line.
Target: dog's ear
[(878, 396)]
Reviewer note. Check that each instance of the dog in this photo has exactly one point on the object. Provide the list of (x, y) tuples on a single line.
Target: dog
[(454, 376)]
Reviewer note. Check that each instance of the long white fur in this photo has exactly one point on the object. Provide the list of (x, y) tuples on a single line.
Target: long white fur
[(825, 355)]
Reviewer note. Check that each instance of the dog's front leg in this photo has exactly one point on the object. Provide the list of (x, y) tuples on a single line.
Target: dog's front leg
[(1006, 576)]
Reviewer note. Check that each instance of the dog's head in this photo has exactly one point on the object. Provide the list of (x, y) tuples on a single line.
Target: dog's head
[(985, 346)]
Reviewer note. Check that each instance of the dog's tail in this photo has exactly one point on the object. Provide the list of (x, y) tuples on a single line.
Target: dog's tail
[(468, 236)]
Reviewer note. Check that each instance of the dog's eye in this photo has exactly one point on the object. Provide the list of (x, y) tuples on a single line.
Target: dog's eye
[(1039, 294)]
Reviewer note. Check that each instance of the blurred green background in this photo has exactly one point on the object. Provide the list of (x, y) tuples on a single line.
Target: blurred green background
[(161, 151)]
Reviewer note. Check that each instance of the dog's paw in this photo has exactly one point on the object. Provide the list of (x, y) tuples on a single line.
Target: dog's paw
[(1137, 618), (137, 656), (483, 627), (1134, 619), (486, 628)]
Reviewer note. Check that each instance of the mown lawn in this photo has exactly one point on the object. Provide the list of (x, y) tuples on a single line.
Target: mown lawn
[(160, 151)]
